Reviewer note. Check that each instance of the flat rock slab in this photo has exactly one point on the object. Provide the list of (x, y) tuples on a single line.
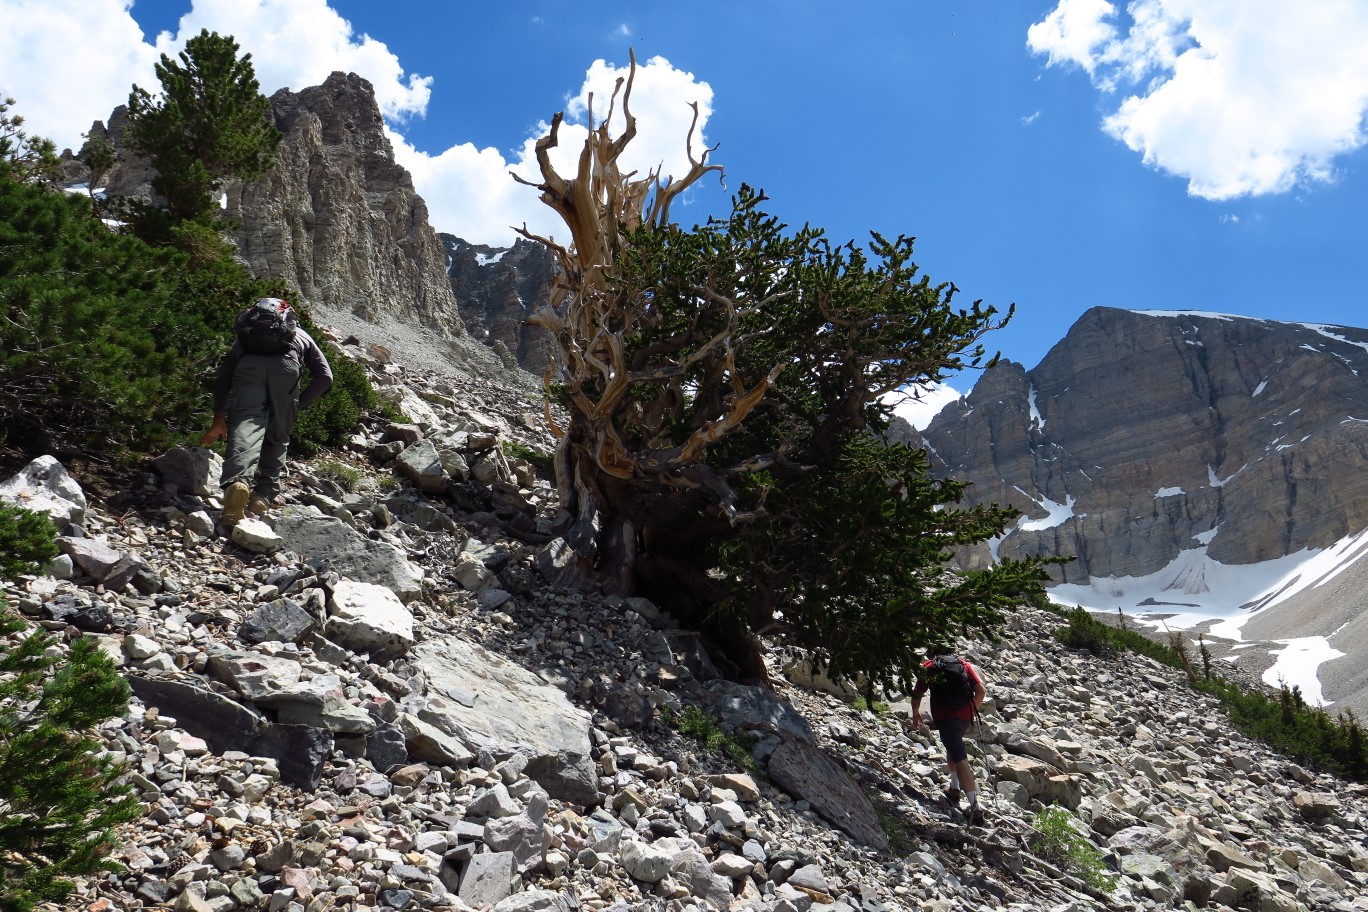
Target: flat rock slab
[(492, 703), (805, 771), (307, 532), (224, 725)]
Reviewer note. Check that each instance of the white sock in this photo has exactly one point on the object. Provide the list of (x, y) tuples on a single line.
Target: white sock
[(954, 780), (972, 795)]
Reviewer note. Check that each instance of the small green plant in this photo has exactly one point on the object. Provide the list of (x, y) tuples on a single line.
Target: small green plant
[(1057, 840), (346, 477), (1087, 632), (543, 462), (863, 703), (60, 796), (900, 838), (27, 541), (338, 412), (704, 729)]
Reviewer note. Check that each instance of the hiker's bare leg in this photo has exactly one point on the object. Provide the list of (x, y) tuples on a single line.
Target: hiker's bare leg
[(966, 775)]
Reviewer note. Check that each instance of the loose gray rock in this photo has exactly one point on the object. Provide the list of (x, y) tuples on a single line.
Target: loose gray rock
[(370, 619), (44, 486), (487, 879), (190, 470), (512, 708), (283, 620), (309, 533)]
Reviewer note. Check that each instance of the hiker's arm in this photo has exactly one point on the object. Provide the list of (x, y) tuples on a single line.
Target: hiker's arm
[(979, 693), (223, 385), (916, 702), (320, 374), (218, 430)]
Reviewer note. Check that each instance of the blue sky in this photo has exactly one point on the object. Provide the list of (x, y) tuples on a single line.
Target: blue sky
[(1059, 154)]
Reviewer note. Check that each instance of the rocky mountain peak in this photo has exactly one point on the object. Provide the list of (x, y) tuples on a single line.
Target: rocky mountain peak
[(339, 218), (1192, 444), (496, 289)]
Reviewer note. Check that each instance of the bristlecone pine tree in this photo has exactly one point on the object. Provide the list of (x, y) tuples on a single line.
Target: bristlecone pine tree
[(725, 389)]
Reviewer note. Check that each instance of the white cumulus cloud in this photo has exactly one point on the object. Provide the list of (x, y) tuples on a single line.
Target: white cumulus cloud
[(918, 405), (68, 63), (1239, 97), (471, 194)]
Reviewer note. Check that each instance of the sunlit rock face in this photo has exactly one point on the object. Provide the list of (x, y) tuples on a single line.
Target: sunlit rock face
[(338, 218), (1145, 434), (497, 289)]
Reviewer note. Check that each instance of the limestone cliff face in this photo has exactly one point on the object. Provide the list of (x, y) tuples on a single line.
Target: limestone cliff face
[(1144, 434), (496, 288), (338, 218)]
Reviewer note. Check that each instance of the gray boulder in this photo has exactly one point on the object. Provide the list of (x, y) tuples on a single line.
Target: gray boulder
[(421, 464), (283, 620), (224, 725), (190, 470), (307, 532), (368, 618), (44, 486), (491, 703)]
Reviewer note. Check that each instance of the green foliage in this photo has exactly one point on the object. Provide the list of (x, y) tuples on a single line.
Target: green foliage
[(704, 729), (346, 477), (84, 354), (337, 413), (32, 159), (60, 798), (209, 123), (855, 551), (1058, 841), (107, 343), (864, 704), (1286, 723), (27, 541), (1086, 632), (542, 461)]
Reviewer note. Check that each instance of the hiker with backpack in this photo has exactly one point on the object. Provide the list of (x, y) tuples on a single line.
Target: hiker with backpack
[(256, 402), (956, 694)]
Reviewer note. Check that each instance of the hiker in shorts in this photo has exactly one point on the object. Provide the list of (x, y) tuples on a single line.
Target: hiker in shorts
[(256, 402), (956, 696)]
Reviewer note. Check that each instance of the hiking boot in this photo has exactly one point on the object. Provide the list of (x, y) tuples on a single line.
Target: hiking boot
[(258, 505), (952, 797), (234, 503), (973, 815)]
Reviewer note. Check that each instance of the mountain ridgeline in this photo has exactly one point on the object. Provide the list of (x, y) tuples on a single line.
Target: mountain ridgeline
[(1145, 434)]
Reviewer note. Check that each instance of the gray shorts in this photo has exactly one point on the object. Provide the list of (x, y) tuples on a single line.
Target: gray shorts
[(952, 736)]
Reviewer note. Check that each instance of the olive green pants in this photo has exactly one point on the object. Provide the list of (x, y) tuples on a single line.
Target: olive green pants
[(262, 409)]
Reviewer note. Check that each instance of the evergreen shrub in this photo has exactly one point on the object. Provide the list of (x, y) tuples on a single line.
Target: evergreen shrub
[(27, 541), (60, 796), (1284, 722)]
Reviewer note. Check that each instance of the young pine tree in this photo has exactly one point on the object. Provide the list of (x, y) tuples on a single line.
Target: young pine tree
[(60, 799), (210, 123)]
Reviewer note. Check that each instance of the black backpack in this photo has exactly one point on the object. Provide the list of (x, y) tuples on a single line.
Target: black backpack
[(951, 685), (267, 327)]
